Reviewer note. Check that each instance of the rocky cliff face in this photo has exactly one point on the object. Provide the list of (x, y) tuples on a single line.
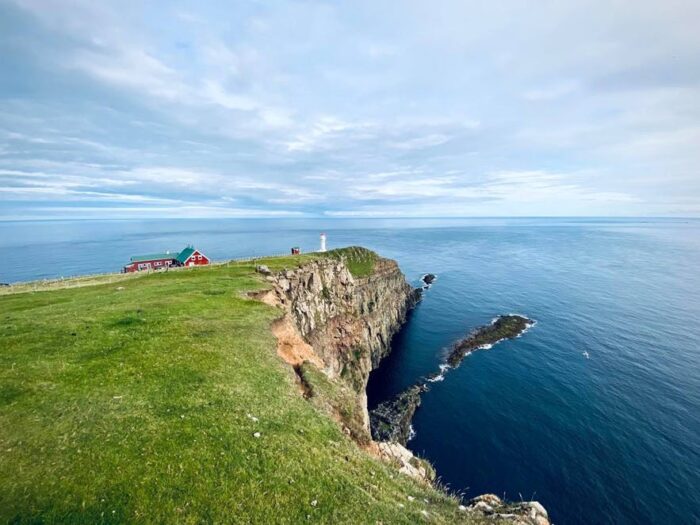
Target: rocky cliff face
[(348, 321), (339, 326)]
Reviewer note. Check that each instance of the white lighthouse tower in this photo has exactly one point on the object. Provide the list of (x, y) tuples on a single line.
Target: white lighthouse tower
[(323, 242)]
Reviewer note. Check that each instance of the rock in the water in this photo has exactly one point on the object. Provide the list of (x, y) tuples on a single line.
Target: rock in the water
[(428, 279), (503, 327), (391, 420)]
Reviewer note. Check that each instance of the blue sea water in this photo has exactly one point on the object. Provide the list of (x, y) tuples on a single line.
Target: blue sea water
[(613, 438)]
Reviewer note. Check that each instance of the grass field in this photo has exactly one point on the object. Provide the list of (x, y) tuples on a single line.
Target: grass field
[(140, 401)]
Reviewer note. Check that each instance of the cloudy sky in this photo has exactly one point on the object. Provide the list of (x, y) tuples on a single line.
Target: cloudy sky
[(349, 108)]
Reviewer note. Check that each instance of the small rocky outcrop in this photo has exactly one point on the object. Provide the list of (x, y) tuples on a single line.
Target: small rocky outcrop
[(406, 462), (503, 327), (391, 420), (428, 279), (522, 513), (263, 269)]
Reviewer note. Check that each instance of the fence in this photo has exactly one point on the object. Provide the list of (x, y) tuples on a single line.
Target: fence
[(111, 277)]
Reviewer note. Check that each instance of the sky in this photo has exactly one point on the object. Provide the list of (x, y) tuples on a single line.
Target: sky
[(349, 108)]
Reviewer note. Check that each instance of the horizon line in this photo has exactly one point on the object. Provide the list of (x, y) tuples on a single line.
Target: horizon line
[(350, 217)]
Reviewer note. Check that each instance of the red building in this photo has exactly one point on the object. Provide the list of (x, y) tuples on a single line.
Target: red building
[(158, 261)]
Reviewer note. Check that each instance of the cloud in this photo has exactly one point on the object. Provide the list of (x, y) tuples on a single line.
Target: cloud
[(551, 92), (326, 109), (157, 212), (323, 132), (501, 188), (133, 69), (427, 141)]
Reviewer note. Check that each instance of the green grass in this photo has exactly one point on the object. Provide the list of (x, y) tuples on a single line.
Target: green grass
[(133, 401), (337, 399), (360, 261)]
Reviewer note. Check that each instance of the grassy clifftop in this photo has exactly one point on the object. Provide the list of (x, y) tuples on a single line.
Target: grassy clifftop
[(360, 261), (160, 398)]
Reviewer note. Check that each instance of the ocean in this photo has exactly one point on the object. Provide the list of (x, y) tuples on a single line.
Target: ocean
[(594, 412)]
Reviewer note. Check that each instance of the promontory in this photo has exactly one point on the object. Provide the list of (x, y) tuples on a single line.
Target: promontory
[(233, 393)]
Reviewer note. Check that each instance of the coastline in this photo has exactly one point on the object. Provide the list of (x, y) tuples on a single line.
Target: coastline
[(391, 419), (357, 294)]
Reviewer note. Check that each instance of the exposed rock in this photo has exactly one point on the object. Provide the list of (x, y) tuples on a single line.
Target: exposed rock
[(347, 321), (391, 420), (407, 463), (523, 513), (538, 508), (263, 269), (291, 347), (265, 296), (483, 507), (343, 325), (428, 279), (503, 327)]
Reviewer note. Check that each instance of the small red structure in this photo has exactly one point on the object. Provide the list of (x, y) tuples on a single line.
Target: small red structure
[(296, 250), (159, 261)]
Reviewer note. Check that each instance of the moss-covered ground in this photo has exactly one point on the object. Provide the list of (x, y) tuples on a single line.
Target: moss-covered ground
[(160, 399), (360, 261)]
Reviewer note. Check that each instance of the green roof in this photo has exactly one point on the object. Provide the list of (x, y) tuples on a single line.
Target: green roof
[(184, 254), (153, 256), (180, 257)]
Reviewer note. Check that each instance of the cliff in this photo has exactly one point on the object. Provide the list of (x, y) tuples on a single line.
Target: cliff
[(161, 398), (341, 321), (341, 312)]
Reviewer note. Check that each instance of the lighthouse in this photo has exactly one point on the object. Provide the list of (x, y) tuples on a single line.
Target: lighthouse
[(323, 242)]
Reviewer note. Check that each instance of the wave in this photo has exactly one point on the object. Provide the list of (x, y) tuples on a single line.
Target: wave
[(441, 376)]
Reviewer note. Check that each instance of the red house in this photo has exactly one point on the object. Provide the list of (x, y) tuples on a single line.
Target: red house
[(159, 261)]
